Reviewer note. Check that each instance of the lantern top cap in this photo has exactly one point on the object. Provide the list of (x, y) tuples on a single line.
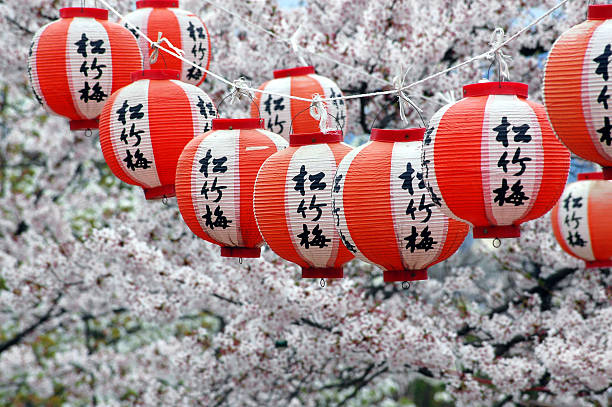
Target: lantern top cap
[(304, 139), (237, 124), (97, 13), (157, 3), (156, 74), (590, 176), (298, 71), (496, 88), (397, 135), (600, 12)]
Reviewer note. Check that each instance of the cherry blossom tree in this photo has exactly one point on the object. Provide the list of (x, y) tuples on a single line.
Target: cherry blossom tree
[(107, 299)]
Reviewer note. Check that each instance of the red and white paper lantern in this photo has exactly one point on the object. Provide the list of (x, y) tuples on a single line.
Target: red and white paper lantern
[(581, 220), (145, 126), (76, 63), (492, 159), (215, 178), (293, 205), (578, 85), (279, 112), (383, 211), (183, 29)]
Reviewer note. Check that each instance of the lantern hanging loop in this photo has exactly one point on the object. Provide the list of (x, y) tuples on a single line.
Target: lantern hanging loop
[(165, 200), (294, 41), (403, 99), (406, 285), (497, 55), (497, 243), (240, 87), (322, 283), (160, 41), (88, 133), (240, 260)]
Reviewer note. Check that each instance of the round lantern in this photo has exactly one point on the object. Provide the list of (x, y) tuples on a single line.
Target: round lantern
[(383, 211), (581, 220), (578, 86), (78, 61), (145, 126), (492, 159), (215, 177), (183, 29), (279, 112), (293, 205)]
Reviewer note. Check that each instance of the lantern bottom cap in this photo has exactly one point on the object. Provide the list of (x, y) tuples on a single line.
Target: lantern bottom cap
[(499, 232), (165, 191), (598, 264), (242, 252), (392, 276), (86, 124), (607, 173), (326, 272)]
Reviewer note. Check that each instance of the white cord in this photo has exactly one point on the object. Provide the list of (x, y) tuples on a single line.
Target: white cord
[(358, 96)]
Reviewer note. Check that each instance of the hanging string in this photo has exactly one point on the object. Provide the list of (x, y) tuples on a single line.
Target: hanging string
[(155, 46), (356, 96), (318, 111), (403, 99), (294, 40), (497, 38), (240, 87)]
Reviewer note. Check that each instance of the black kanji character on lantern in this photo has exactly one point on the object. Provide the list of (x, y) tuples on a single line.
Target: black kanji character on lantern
[(503, 161), (138, 160), (318, 239), (205, 163), (219, 167), (502, 131), (516, 159), (521, 135), (602, 62), (97, 47), (313, 205), (82, 45), (268, 105), (408, 178), (133, 133), (575, 219), (427, 208), (135, 112), (201, 34), (347, 244), (214, 188), (192, 29), (194, 73), (315, 181), (567, 201), (516, 197), (220, 220), (278, 104), (85, 68), (605, 132), (434, 197), (577, 202), (337, 186), (276, 123), (97, 94), (574, 239), (427, 242), (198, 48), (603, 97), (300, 179), (427, 138), (304, 237), (134, 31), (207, 109), (411, 209), (122, 111), (336, 213)]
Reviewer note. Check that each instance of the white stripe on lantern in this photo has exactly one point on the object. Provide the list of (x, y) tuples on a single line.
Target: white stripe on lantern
[(315, 158), (338, 202), (140, 18), (187, 44), (33, 68), (200, 124), (278, 141), (78, 77), (136, 93), (565, 219), (221, 143), (592, 85), (281, 85), (402, 154), (428, 155), (492, 150), (336, 108)]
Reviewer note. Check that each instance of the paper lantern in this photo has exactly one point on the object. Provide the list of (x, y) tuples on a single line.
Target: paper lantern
[(581, 220), (183, 29), (577, 88), (383, 211), (492, 159), (215, 177), (77, 62), (293, 205), (279, 112), (145, 126)]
